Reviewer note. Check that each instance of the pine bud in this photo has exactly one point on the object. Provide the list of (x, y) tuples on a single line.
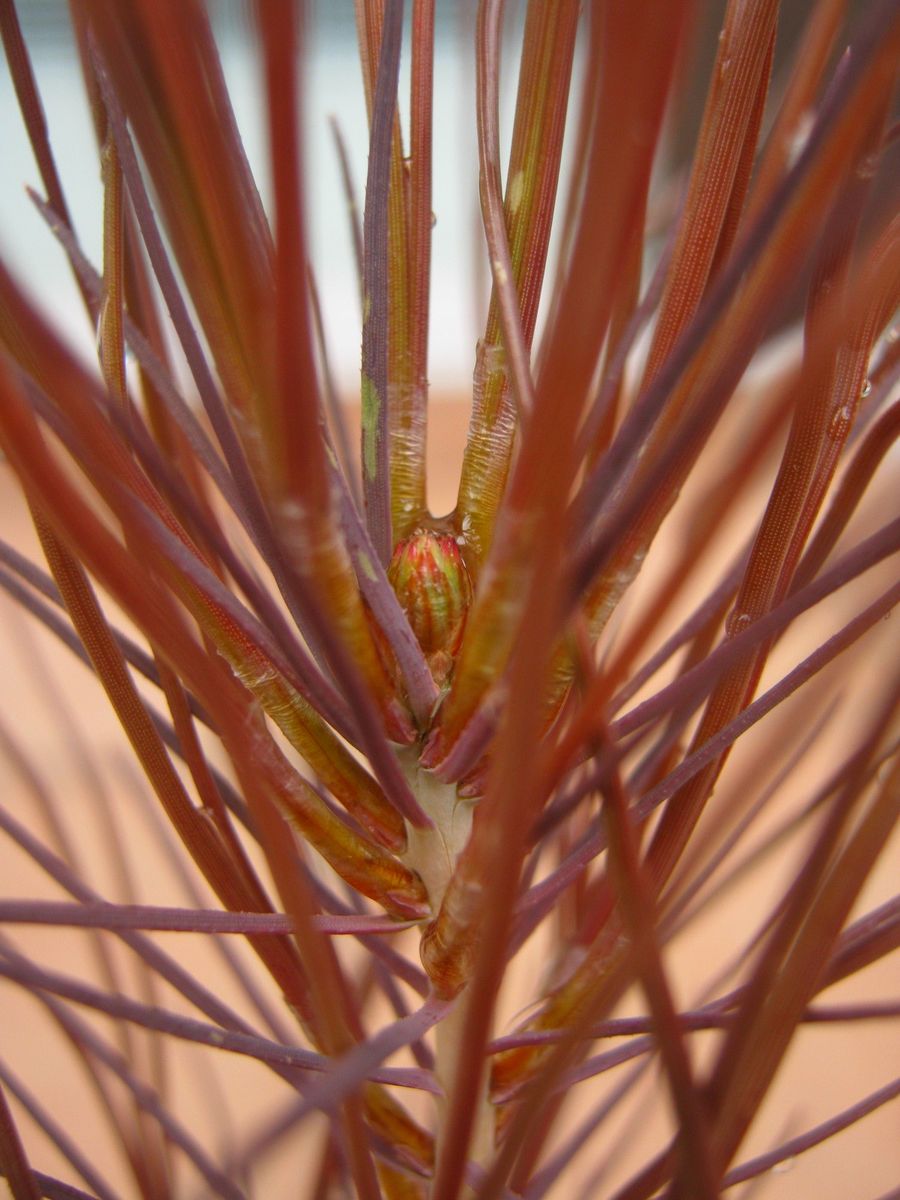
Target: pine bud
[(432, 584)]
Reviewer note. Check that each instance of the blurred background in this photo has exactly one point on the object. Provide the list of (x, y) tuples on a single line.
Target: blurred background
[(333, 88)]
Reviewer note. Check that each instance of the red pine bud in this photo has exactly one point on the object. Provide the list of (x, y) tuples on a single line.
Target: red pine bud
[(432, 584)]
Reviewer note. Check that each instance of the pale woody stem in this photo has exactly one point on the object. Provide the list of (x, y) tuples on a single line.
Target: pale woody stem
[(433, 853)]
